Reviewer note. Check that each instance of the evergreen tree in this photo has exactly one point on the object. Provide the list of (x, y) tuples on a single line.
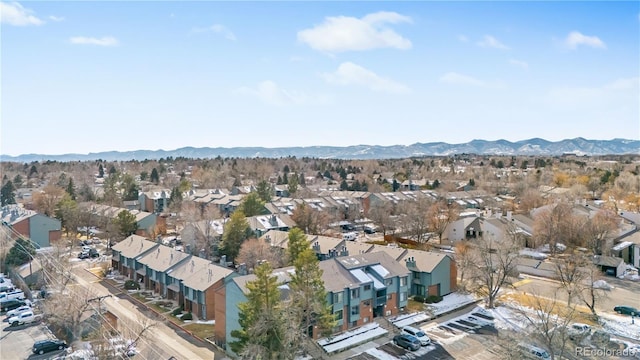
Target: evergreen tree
[(236, 231), (176, 197), (308, 295), (396, 185), (100, 171), (126, 222), (155, 178), (112, 170), (293, 185), (17, 181), (279, 181), (262, 333), (144, 175), (21, 253), (33, 171), (301, 180), (68, 213), (285, 178), (264, 191), (71, 189), (297, 244), (252, 205), (344, 186), (8, 193)]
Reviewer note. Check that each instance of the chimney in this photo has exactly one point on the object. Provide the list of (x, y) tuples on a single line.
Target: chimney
[(223, 260), (344, 251), (242, 269), (509, 213), (316, 247), (273, 220), (268, 239)]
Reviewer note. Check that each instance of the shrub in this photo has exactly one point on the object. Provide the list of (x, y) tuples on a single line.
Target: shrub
[(432, 299), (177, 311), (131, 285), (187, 316), (418, 298)]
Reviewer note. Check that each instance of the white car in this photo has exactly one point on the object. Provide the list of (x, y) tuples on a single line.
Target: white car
[(578, 330), (418, 334), (17, 311), (26, 317)]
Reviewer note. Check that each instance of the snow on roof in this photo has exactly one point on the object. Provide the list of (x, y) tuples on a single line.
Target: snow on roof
[(622, 245)]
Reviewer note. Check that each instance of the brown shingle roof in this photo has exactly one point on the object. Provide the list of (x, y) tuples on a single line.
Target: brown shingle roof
[(206, 277), (162, 258)]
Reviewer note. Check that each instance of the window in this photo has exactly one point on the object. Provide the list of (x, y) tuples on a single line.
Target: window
[(365, 320), (367, 303), (403, 296), (388, 282), (403, 281), (367, 287), (355, 293), (355, 310), (338, 315), (354, 323), (337, 298), (389, 297)]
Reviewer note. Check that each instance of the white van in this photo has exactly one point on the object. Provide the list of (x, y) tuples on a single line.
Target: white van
[(417, 333), (10, 295), (351, 236)]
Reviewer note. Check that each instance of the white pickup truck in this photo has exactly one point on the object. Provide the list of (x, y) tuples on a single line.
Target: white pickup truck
[(26, 317), (9, 295)]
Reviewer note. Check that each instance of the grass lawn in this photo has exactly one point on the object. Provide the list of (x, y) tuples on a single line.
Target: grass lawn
[(413, 305), (139, 297), (203, 331), (582, 313), (158, 308)]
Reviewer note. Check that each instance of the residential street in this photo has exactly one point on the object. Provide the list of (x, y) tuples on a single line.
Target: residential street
[(162, 341)]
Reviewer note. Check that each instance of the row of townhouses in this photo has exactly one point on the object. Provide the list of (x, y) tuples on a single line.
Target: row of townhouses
[(363, 281)]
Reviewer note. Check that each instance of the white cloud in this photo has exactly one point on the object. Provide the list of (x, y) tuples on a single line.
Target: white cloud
[(489, 41), (13, 13), (103, 41), (56, 18), (463, 38), (344, 33), (218, 29), (349, 73), (575, 39), (459, 79), (519, 63), (271, 93)]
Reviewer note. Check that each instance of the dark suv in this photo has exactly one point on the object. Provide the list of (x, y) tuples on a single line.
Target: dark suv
[(407, 341), (626, 310), (11, 304), (43, 346)]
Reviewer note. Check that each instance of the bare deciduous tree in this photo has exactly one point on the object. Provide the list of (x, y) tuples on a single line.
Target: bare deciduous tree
[(496, 262), (440, 215), (254, 251), (549, 321)]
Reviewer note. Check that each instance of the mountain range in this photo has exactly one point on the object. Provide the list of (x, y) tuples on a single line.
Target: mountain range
[(533, 147)]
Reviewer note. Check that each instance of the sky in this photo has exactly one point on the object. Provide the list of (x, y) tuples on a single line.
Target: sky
[(80, 77)]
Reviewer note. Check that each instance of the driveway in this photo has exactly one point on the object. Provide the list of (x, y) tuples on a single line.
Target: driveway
[(17, 342)]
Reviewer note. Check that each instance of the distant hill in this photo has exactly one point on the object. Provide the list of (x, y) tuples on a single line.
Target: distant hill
[(578, 146)]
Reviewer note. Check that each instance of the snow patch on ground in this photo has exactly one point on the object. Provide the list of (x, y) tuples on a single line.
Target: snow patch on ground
[(352, 338), (409, 319), (451, 302), (381, 355), (621, 325), (211, 322), (507, 319)]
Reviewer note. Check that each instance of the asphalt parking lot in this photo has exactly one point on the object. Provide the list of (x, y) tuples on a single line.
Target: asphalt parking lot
[(16, 342)]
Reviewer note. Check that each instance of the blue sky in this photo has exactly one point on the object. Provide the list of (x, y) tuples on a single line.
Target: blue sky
[(97, 76)]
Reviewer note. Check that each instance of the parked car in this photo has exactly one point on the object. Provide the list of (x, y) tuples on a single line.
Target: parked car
[(626, 310), (83, 255), (533, 352), (11, 304), (93, 253), (26, 317), (86, 248), (418, 334), (407, 341), (601, 284), (43, 346), (17, 311), (578, 331), (9, 295)]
